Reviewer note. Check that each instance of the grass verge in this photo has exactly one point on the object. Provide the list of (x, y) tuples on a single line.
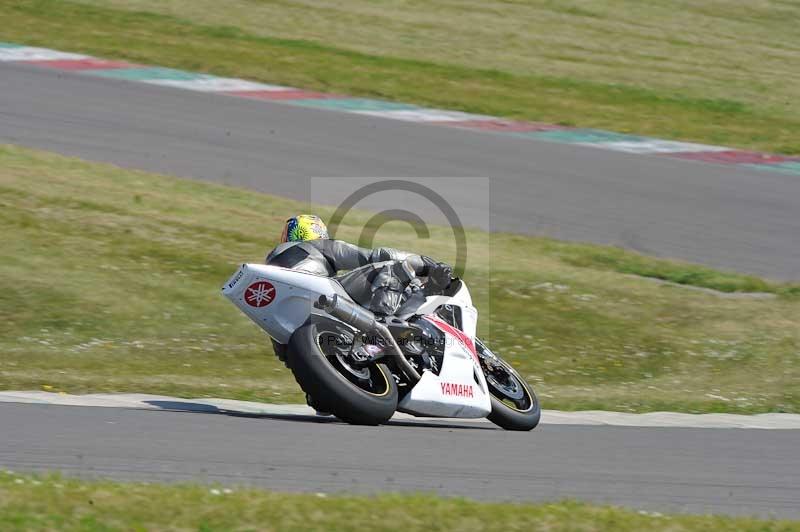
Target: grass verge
[(109, 282), (48, 503), (720, 72)]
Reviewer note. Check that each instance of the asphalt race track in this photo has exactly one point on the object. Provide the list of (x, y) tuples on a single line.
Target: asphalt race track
[(732, 471), (722, 216), (729, 217)]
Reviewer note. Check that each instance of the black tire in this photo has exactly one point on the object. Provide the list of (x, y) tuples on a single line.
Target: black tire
[(280, 350), (331, 392), (525, 413), (510, 419)]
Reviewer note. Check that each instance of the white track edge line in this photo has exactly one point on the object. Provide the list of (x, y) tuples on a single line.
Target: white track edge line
[(549, 417)]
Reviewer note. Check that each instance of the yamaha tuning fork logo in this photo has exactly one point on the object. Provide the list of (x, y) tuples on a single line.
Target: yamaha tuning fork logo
[(259, 294)]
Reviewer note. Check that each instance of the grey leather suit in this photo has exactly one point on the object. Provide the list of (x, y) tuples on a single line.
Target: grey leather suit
[(377, 277)]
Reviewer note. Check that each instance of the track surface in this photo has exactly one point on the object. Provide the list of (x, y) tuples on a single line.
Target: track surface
[(730, 471), (722, 216)]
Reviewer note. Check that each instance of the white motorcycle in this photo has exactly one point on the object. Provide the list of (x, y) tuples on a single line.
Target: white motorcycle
[(426, 360)]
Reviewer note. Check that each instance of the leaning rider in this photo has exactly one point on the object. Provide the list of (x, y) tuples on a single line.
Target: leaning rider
[(379, 277)]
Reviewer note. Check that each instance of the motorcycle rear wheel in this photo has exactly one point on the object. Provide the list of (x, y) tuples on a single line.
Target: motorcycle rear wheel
[(359, 396), (515, 405)]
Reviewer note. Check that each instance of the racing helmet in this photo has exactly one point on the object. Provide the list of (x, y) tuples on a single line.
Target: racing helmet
[(304, 227)]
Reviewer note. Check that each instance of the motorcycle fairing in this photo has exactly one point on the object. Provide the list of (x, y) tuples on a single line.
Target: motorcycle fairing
[(295, 294), (459, 390), (462, 299)]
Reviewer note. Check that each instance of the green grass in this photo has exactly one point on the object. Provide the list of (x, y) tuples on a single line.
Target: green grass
[(720, 72), (55, 503), (109, 282)]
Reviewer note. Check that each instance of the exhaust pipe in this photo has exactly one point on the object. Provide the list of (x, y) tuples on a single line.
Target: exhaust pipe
[(347, 311), (364, 320)]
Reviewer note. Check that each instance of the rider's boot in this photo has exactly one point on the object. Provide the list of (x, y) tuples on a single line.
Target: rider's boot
[(310, 402)]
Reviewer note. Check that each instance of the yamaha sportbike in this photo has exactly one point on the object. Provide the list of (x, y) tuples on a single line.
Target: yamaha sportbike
[(425, 360)]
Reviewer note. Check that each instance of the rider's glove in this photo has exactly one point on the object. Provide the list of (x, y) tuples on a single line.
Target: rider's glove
[(413, 287), (439, 274)]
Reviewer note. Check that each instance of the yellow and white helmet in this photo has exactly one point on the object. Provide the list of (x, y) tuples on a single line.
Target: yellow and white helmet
[(304, 227)]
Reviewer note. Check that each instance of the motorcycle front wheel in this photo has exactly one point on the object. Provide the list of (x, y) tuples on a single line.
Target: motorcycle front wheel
[(514, 403), (321, 357)]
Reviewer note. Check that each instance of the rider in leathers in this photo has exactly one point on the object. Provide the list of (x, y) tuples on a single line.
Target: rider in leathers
[(380, 276)]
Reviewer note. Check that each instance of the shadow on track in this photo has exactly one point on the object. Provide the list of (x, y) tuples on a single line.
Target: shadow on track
[(203, 408)]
